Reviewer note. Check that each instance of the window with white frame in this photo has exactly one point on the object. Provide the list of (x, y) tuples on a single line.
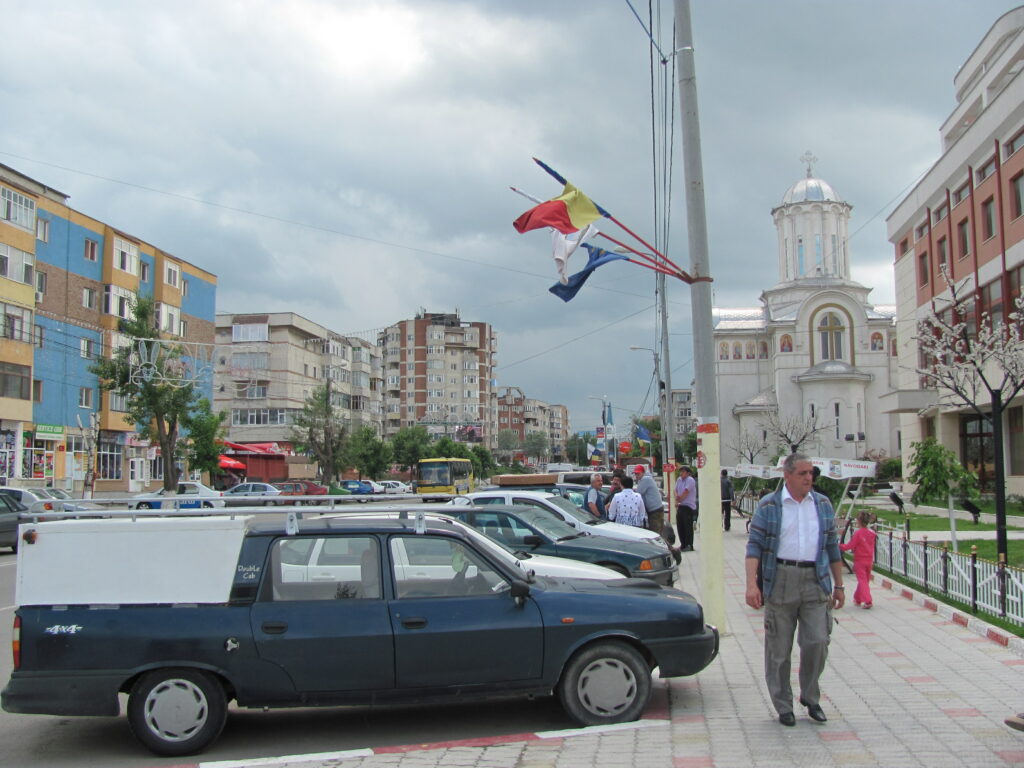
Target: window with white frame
[(250, 360), (250, 332), (172, 275), (18, 209), (85, 397), (16, 264), (43, 230), (41, 282), (251, 390), (118, 402), (118, 301), (92, 250), (108, 460), (126, 256), (89, 298), (184, 287), (144, 271), (87, 347), (169, 318), (15, 323)]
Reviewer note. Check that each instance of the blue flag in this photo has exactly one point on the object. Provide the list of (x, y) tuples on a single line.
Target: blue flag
[(598, 257), (642, 435)]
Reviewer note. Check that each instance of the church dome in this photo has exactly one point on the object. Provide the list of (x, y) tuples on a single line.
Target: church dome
[(811, 190)]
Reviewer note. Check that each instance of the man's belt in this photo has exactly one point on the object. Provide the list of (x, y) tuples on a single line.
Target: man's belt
[(796, 563)]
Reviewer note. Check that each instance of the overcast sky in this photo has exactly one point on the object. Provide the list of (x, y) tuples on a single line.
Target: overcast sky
[(350, 160)]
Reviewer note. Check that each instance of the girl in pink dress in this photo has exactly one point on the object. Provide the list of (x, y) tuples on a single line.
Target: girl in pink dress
[(863, 545)]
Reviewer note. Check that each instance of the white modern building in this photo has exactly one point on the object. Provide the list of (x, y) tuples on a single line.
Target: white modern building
[(815, 354)]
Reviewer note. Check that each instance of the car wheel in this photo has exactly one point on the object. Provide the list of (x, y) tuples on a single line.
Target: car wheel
[(176, 711), (620, 569), (144, 505), (207, 505), (605, 683)]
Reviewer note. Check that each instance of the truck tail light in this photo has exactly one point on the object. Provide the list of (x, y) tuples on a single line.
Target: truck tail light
[(16, 641)]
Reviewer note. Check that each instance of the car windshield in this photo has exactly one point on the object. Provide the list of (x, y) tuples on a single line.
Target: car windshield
[(550, 526), (434, 474), (570, 508), (57, 493)]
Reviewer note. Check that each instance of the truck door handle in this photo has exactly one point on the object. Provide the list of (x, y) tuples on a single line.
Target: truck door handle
[(414, 623), (274, 627)]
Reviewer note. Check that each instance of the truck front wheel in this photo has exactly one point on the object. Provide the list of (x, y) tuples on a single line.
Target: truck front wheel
[(177, 711)]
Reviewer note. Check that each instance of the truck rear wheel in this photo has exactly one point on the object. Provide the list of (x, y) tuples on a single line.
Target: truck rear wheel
[(177, 711)]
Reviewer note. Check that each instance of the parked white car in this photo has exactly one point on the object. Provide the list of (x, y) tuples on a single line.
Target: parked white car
[(189, 495), (377, 487), (395, 486), (565, 510), (41, 500), (540, 565)]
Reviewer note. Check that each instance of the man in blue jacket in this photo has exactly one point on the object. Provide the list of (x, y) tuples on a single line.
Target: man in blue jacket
[(792, 563)]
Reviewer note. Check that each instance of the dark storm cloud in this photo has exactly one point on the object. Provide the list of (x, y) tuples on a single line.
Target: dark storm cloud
[(376, 141)]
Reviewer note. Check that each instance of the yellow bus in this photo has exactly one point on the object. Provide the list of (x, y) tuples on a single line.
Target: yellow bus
[(444, 476)]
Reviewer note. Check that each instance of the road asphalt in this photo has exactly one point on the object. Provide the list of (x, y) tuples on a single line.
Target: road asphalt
[(909, 683)]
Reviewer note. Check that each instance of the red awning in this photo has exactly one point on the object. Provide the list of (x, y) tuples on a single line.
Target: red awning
[(271, 449), (226, 462)]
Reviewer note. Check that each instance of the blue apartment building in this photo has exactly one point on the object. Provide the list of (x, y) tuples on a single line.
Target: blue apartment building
[(66, 280)]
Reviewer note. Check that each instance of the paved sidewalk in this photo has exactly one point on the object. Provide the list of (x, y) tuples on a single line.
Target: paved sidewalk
[(909, 683)]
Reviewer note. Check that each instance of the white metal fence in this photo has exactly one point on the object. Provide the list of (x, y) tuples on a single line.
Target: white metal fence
[(984, 586)]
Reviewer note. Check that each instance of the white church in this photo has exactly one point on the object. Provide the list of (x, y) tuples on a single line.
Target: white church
[(815, 355)]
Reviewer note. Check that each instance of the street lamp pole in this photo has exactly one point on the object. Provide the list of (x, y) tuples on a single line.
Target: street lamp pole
[(708, 451), (605, 410)]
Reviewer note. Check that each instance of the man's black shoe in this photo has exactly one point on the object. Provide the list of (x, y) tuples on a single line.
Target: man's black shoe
[(677, 555), (787, 718), (815, 712)]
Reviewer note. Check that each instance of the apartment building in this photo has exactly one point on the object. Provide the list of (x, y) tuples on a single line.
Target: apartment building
[(66, 279), (966, 217), (558, 431), (268, 364), (438, 373)]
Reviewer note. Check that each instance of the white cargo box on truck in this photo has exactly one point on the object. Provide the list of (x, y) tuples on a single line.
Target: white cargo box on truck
[(124, 561)]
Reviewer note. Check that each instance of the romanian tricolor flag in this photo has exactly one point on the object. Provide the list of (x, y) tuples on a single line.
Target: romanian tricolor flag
[(570, 212)]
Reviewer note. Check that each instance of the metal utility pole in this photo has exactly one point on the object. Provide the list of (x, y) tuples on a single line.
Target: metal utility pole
[(665, 401), (708, 449)]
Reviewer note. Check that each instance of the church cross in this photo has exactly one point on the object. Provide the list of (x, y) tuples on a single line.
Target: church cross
[(810, 159)]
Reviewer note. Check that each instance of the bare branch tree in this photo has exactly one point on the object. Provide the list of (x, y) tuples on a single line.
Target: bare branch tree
[(975, 365), (748, 446), (792, 431)]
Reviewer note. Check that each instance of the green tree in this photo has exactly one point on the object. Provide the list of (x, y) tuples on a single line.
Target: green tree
[(409, 445), (508, 444), (938, 473), (483, 463), (319, 433), (148, 373), (205, 430), (577, 449), (370, 455), (536, 445)]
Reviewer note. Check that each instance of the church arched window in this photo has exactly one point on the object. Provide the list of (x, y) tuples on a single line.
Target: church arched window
[(723, 351), (830, 335), (737, 351), (751, 354), (877, 343), (786, 343), (762, 350)]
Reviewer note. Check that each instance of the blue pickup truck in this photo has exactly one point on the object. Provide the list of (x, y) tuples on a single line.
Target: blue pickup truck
[(389, 607)]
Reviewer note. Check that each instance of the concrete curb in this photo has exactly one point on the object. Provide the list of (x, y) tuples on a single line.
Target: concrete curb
[(973, 623)]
